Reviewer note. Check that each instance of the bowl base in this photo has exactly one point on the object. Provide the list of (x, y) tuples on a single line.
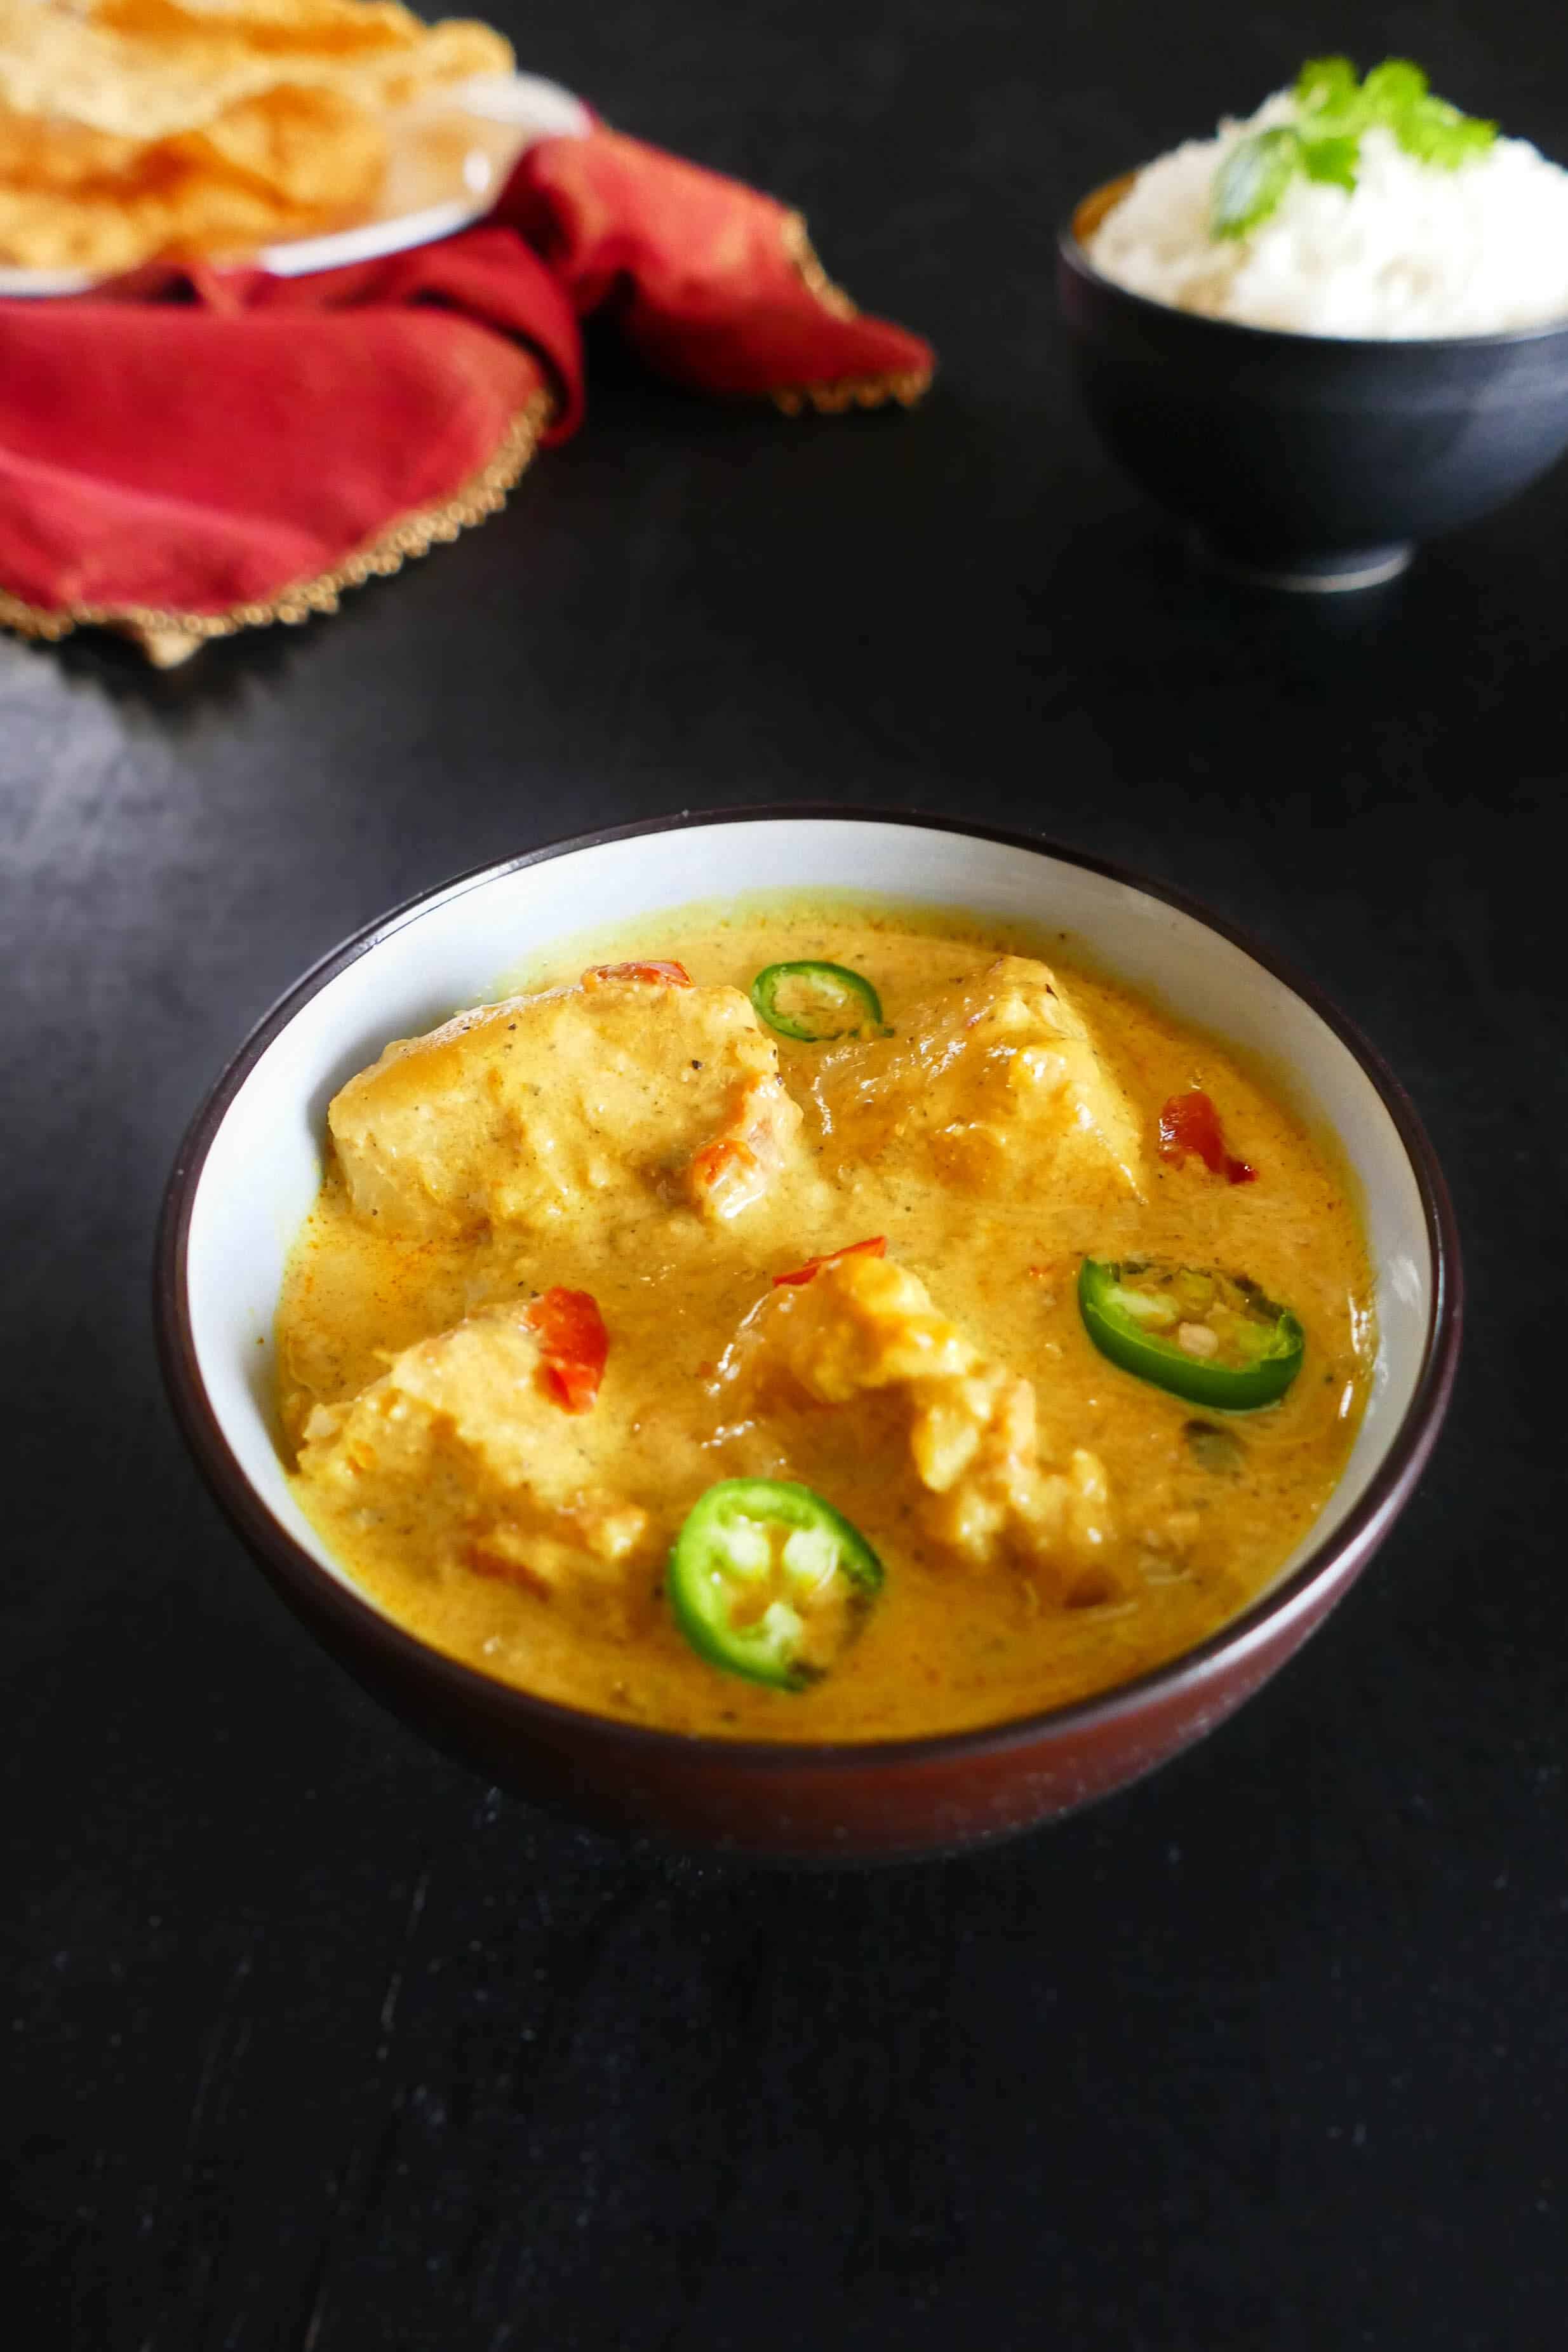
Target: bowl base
[(1311, 575)]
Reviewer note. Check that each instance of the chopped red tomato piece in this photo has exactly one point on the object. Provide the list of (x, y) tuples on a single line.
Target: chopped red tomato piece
[(875, 1247), (732, 1171), (573, 1345), (726, 1174), (1189, 1122), (666, 975)]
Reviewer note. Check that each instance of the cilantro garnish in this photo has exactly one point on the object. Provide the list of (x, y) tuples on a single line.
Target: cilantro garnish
[(1324, 143), (1252, 179)]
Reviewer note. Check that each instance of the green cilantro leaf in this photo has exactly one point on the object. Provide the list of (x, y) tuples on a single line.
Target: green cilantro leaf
[(1428, 128), (1325, 85), (1331, 161), (1251, 181), (1333, 109), (1392, 88), (1435, 132)]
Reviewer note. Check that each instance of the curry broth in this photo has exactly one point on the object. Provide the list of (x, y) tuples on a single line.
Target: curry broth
[(946, 1647)]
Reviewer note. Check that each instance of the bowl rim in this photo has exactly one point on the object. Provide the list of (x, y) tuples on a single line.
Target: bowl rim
[(1309, 1588), (1072, 252)]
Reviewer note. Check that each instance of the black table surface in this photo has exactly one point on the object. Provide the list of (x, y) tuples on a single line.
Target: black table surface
[(316, 2042)]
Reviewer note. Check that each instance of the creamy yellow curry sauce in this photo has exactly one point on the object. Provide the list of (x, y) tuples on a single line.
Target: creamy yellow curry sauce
[(1048, 1523)]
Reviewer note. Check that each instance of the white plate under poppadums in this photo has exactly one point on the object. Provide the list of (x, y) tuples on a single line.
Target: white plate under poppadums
[(449, 158)]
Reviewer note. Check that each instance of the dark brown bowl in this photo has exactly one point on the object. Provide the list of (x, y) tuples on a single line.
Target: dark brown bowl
[(1308, 461), (246, 1168)]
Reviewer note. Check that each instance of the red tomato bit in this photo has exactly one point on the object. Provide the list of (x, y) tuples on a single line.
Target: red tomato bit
[(573, 1345), (1189, 1122), (717, 1162), (664, 975), (875, 1247)]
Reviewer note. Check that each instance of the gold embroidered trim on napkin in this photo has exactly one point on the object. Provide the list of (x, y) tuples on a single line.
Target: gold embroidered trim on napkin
[(170, 637), (905, 385)]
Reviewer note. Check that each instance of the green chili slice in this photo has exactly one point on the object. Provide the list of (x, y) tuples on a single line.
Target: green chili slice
[(815, 1002), (1212, 1338), (768, 1581)]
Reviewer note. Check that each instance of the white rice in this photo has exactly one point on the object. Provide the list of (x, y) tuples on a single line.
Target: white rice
[(1415, 251)]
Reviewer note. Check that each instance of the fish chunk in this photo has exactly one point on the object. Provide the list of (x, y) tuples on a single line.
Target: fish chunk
[(993, 1082), (464, 1440), (521, 1113), (868, 1386)]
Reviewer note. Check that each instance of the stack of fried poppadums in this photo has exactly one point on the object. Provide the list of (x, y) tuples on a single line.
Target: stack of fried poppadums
[(130, 129)]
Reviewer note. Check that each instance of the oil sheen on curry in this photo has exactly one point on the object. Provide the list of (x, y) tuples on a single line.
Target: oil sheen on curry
[(817, 1321)]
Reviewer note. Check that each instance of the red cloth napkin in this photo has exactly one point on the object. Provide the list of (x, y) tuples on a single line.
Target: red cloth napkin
[(192, 451)]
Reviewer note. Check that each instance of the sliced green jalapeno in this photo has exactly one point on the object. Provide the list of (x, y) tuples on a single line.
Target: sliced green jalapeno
[(768, 1581), (1212, 1338), (815, 1002)]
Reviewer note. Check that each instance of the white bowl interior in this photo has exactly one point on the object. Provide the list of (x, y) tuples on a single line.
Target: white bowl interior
[(264, 1167)]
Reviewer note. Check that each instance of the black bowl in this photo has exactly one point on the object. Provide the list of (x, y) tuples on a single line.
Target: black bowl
[(1308, 461), (249, 1169)]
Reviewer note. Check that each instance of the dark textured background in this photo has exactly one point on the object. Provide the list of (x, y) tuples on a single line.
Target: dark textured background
[(317, 2045)]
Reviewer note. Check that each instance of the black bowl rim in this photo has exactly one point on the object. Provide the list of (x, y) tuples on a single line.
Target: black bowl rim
[(1502, 338), (1185, 1674)]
